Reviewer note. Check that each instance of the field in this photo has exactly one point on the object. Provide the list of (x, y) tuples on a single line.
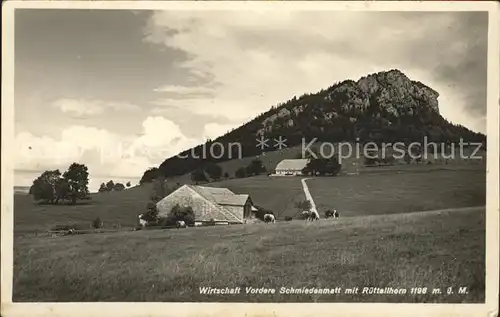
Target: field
[(383, 239), (374, 194), (429, 249)]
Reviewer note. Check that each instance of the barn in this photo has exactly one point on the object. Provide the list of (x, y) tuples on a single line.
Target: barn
[(209, 204), (291, 167)]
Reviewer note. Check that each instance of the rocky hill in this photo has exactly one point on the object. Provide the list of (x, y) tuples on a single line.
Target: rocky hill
[(381, 107)]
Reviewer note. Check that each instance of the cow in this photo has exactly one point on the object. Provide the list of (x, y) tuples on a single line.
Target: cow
[(142, 222), (180, 224), (306, 214), (269, 218), (332, 213), (313, 216)]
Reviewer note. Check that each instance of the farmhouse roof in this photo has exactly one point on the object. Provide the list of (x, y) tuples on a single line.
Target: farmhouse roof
[(292, 164), (221, 196), (235, 200)]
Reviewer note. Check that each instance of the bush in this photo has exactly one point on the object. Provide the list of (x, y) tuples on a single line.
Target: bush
[(97, 223), (179, 213)]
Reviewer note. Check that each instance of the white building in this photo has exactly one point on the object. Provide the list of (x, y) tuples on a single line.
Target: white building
[(291, 167)]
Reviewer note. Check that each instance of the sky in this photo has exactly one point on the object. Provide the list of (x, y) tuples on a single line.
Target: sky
[(121, 90)]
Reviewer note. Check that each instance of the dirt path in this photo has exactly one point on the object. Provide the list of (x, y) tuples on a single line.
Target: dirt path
[(309, 197)]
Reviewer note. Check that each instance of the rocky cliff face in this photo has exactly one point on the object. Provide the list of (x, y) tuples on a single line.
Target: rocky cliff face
[(390, 95)]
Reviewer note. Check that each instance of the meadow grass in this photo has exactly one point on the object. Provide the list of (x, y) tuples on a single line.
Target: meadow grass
[(429, 249), (372, 194)]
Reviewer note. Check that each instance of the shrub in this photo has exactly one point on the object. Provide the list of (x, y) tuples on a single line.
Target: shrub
[(179, 213), (97, 223)]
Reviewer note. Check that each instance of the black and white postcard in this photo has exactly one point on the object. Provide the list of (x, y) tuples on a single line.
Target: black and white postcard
[(256, 158)]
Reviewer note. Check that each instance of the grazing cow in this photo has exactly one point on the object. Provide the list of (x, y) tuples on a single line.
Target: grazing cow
[(313, 216), (142, 222), (336, 214), (269, 218), (71, 231), (306, 214), (180, 224)]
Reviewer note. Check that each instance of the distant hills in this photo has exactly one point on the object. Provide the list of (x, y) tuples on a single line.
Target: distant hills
[(381, 107)]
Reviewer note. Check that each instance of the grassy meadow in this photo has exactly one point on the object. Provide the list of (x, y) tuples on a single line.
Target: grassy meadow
[(434, 249), (410, 227), (374, 194)]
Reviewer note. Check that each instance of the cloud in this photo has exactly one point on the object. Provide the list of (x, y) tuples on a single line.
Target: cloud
[(252, 61), (104, 152), (91, 107)]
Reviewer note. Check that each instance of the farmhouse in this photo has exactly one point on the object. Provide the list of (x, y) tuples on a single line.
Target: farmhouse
[(291, 167), (209, 204)]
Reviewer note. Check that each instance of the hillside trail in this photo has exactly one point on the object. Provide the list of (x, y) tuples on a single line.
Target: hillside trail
[(308, 196)]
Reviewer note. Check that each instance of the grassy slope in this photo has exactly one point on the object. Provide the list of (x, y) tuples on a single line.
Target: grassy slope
[(395, 193), (430, 249), (351, 195)]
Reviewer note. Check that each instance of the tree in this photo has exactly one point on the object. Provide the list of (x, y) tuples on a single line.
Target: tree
[(62, 190), (77, 176), (103, 188), (255, 167), (128, 184), (332, 166), (44, 187), (110, 185), (198, 175), (240, 173), (150, 175), (151, 215), (248, 170), (213, 170), (119, 187), (160, 189), (322, 166)]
